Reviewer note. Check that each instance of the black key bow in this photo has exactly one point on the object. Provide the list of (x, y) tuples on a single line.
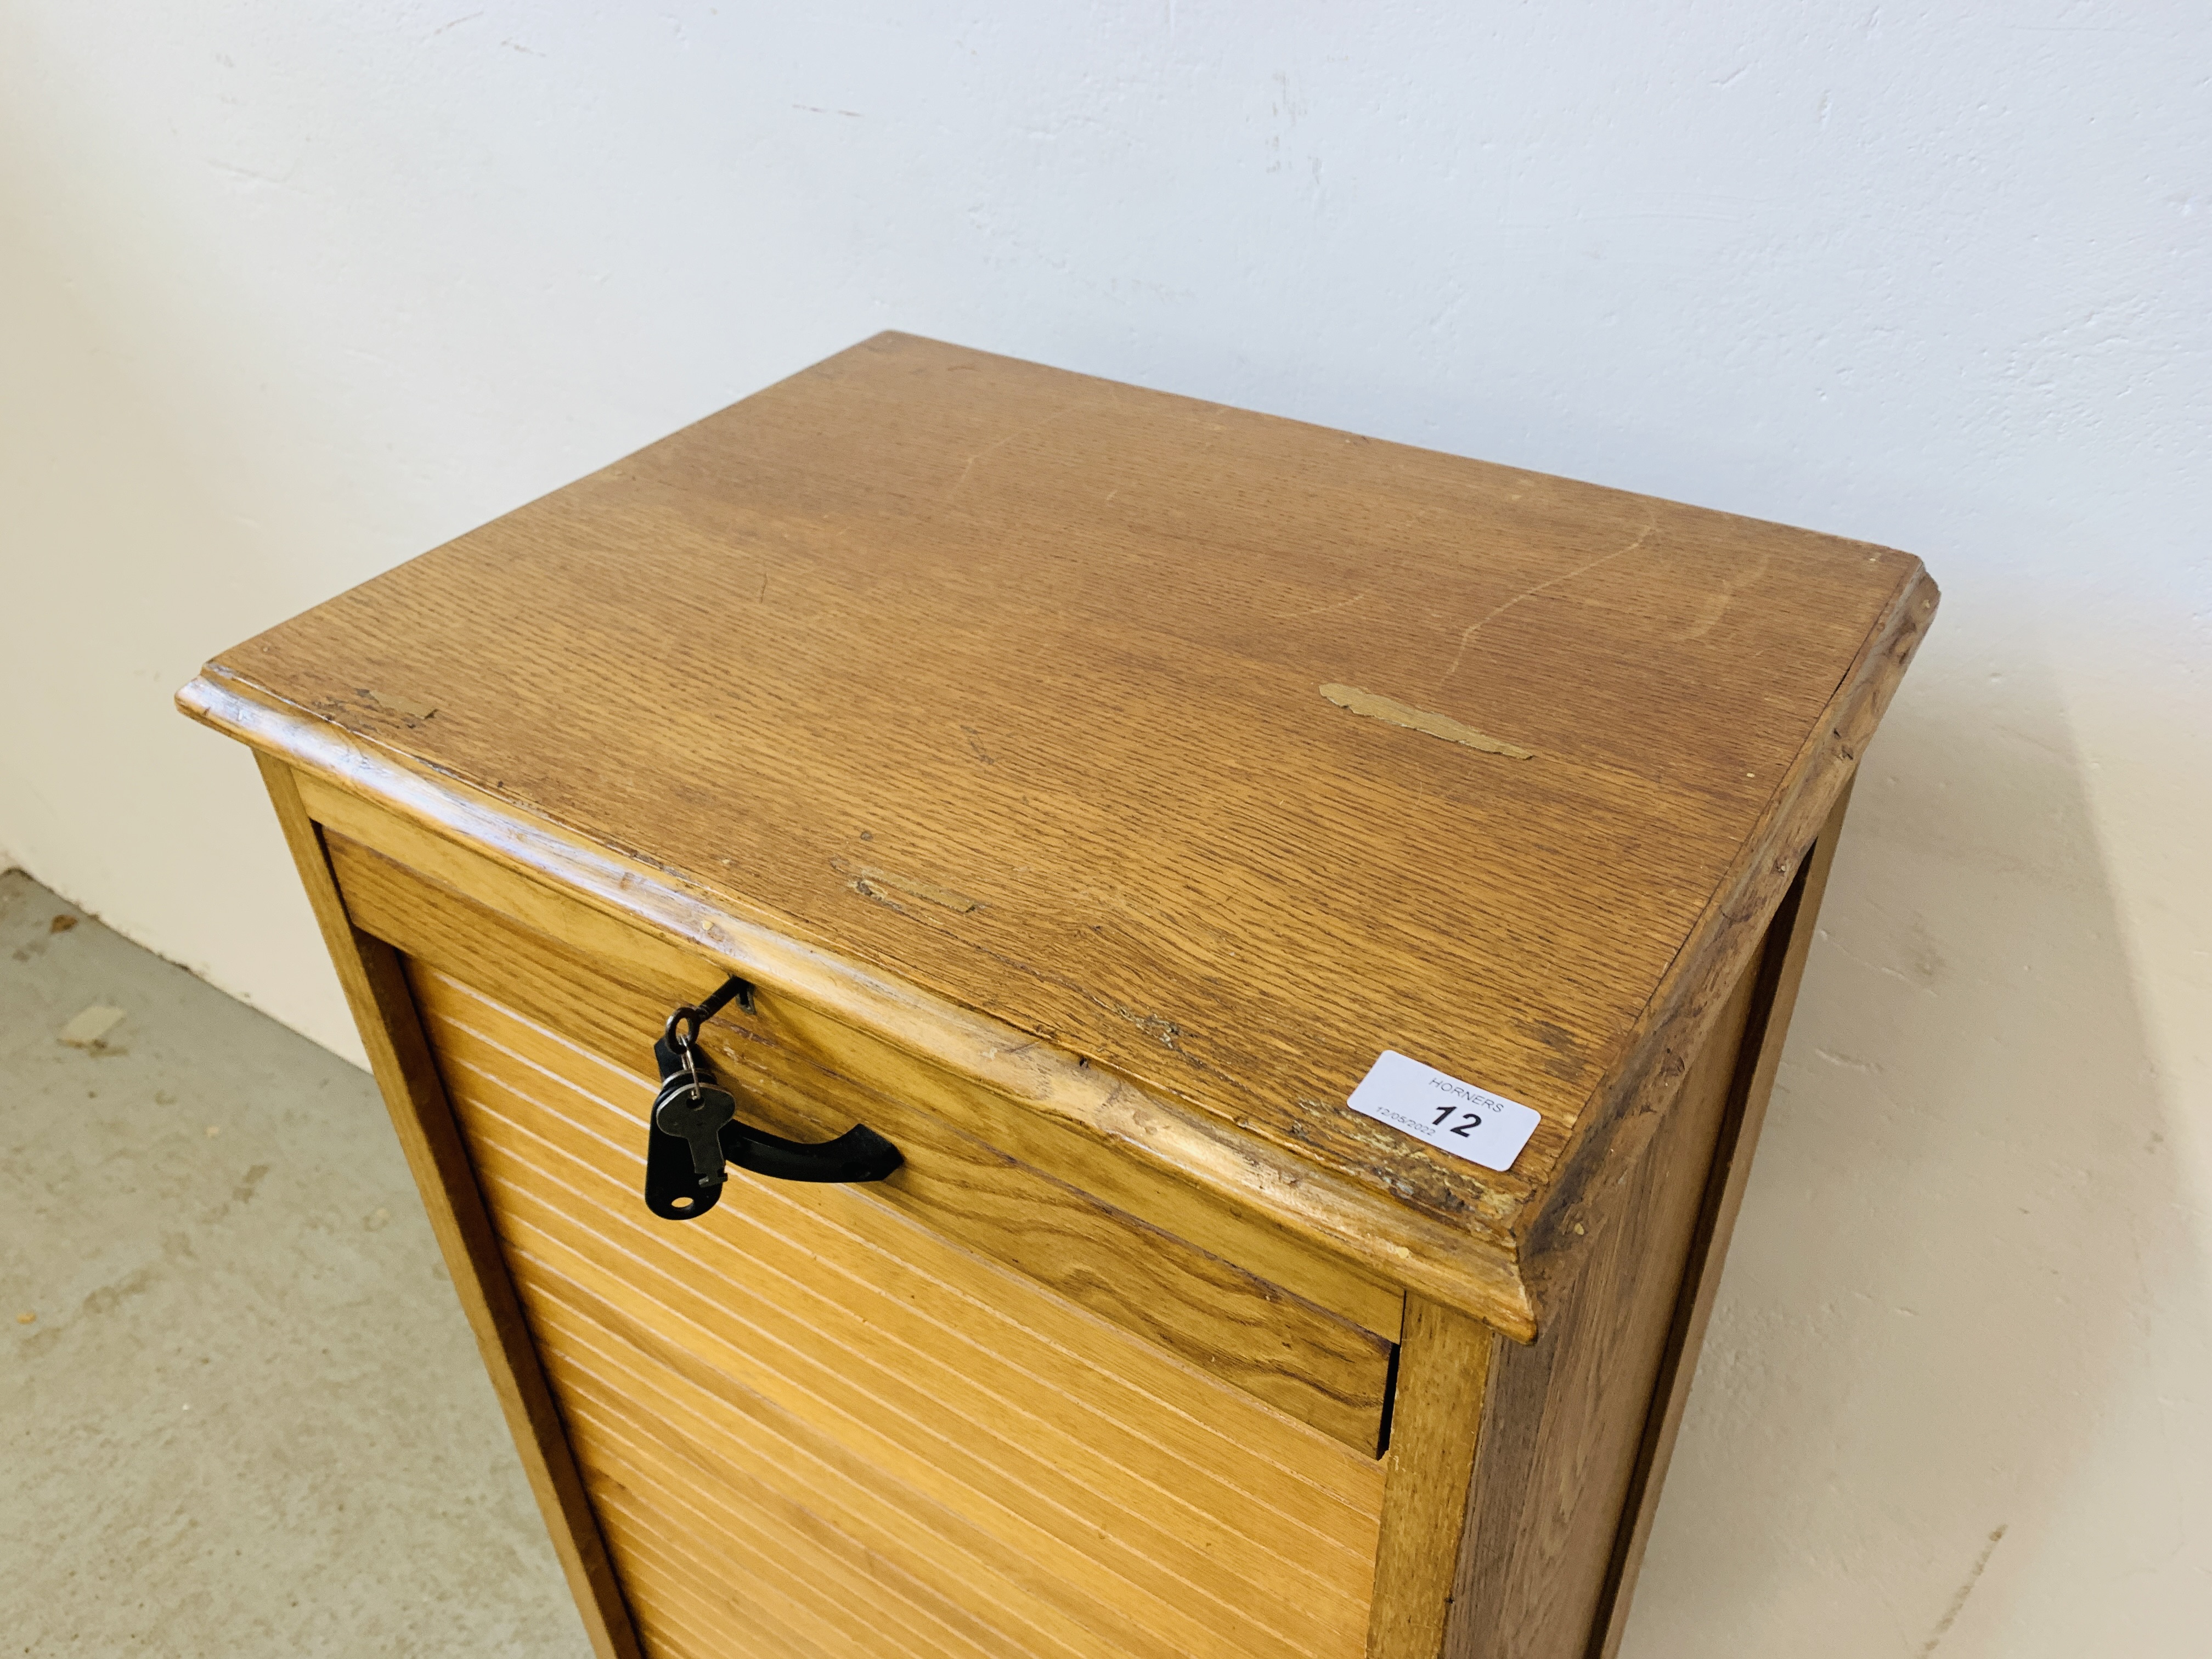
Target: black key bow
[(693, 1130)]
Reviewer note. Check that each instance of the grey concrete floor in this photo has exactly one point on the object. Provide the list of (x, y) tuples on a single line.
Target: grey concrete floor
[(242, 1412)]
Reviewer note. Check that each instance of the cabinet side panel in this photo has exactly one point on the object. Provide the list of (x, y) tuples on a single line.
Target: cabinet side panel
[(1563, 1420), (383, 1007), (1782, 967)]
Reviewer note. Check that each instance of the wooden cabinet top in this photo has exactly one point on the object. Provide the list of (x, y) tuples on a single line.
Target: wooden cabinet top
[(1205, 752)]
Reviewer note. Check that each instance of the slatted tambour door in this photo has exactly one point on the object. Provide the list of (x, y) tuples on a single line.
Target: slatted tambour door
[(811, 1427)]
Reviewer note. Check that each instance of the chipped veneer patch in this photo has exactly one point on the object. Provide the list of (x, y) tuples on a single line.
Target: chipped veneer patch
[(1420, 720)]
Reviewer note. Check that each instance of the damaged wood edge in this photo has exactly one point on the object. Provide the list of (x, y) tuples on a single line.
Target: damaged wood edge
[(1620, 1119), (412, 708), (1394, 712), (1474, 1272)]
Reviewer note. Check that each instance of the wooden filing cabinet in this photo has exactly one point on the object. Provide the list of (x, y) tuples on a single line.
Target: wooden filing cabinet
[(1083, 788)]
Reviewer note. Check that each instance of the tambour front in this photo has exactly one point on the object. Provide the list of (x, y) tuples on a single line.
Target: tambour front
[(954, 834)]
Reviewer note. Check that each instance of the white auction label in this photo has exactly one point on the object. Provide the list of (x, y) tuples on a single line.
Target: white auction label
[(1450, 1115)]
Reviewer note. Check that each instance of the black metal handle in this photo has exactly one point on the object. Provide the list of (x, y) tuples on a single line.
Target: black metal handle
[(685, 1176)]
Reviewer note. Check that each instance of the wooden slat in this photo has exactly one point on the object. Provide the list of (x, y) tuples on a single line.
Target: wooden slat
[(377, 991), (983, 1446), (605, 1202), (1204, 1464), (699, 1549), (691, 1617), (996, 1567), (840, 1399), (934, 1558), (1115, 1476), (977, 1592), (712, 1519), (703, 1522), (890, 1400), (729, 1615), (976, 1453), (597, 976)]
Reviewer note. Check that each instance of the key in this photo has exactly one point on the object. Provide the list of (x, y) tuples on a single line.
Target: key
[(695, 1113)]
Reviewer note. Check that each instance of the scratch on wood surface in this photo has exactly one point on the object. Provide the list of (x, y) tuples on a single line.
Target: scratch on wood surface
[(879, 884), (1716, 603), (1651, 524), (1001, 441), (1420, 720), (995, 443), (1959, 1601)]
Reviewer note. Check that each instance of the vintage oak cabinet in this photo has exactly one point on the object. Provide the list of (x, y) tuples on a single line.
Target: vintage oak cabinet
[(1086, 788)]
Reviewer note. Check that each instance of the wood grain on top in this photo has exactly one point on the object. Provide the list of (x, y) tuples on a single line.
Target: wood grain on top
[(1009, 681)]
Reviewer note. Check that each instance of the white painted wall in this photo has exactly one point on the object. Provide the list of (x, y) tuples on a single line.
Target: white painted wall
[(293, 291)]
